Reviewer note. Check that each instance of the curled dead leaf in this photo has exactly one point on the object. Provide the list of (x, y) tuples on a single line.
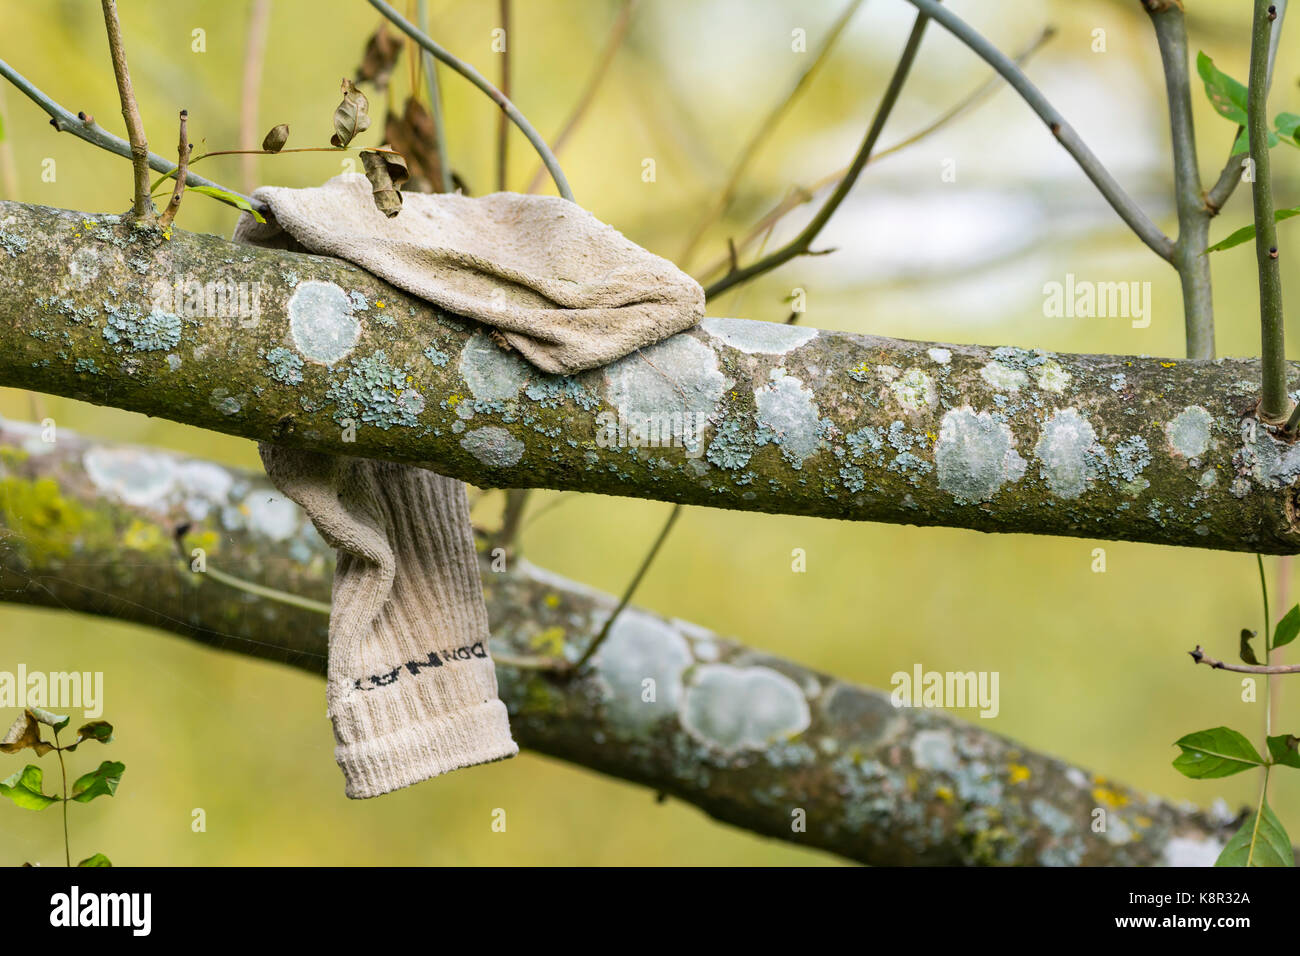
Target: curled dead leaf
[(386, 172), (414, 135), (382, 51), (276, 138), (352, 116)]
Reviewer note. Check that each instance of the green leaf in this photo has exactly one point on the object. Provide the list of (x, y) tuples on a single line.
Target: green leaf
[(100, 782), (1247, 233), (1227, 96), (228, 197), (1287, 628), (97, 860), (100, 731), (1283, 750), (25, 732), (1287, 124), (1245, 651), (1265, 844), (1219, 752), (25, 789)]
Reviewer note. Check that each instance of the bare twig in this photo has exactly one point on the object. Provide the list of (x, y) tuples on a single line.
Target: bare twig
[(1231, 176), (1274, 402), (628, 593), (612, 44), (435, 104), (801, 243), (477, 78), (798, 196), (765, 128), (259, 20), (143, 204), (1201, 657), (90, 131), (503, 123), (1120, 201), (1190, 260), (183, 162)]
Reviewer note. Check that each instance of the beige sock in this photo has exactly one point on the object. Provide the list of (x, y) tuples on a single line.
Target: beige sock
[(412, 691)]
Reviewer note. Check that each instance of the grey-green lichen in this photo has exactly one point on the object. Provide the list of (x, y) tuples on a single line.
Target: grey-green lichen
[(321, 322), (373, 391), (493, 446), (286, 366), (975, 455), (156, 331)]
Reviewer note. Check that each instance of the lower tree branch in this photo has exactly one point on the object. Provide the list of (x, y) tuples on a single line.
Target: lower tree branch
[(743, 415), (92, 527)]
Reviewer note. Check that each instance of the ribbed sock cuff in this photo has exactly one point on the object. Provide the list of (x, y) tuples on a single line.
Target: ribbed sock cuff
[(449, 741)]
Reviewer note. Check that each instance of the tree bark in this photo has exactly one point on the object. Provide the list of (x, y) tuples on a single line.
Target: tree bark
[(753, 740), (790, 420)]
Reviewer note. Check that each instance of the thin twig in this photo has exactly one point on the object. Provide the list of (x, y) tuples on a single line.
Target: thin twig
[(182, 166), (765, 128), (477, 78), (1274, 403), (435, 103), (626, 599), (1120, 201), (87, 129), (612, 44), (259, 20), (801, 243), (1231, 176), (143, 205), (798, 196), (1190, 260), (503, 124), (1201, 657)]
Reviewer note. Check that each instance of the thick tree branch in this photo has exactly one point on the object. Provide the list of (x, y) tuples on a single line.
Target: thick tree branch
[(90, 527), (788, 420)]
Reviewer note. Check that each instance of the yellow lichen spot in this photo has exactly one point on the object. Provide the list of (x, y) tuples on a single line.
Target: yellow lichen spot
[(453, 401), (944, 794), (379, 303), (1168, 364), (549, 642), (1105, 795), (143, 536), (552, 600), (1017, 773), (76, 235)]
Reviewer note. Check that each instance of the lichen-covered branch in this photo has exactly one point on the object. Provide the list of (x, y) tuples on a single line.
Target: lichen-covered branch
[(753, 740), (310, 351)]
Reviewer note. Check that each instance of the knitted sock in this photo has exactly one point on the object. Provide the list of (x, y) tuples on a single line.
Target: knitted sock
[(412, 692)]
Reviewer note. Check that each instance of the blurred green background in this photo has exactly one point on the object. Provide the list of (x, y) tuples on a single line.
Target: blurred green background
[(1093, 666)]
